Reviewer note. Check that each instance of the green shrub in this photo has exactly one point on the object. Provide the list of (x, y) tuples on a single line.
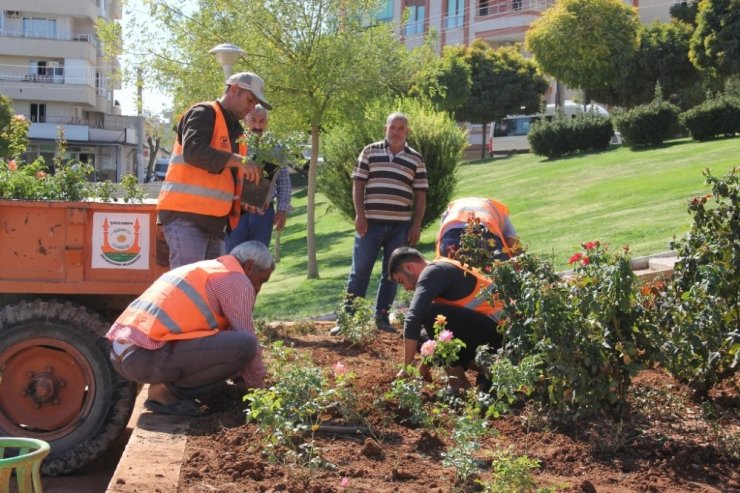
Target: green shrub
[(434, 134), (648, 124), (563, 135), (583, 327), (698, 313), (715, 117)]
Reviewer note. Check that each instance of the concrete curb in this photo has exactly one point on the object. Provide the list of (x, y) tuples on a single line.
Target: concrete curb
[(154, 453)]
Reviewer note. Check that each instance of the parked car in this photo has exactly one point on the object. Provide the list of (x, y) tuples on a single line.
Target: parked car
[(510, 134), (160, 169)]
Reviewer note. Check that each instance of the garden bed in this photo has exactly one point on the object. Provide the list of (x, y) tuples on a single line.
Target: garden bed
[(666, 442)]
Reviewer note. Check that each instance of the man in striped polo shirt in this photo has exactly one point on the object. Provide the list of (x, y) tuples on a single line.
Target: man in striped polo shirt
[(389, 193)]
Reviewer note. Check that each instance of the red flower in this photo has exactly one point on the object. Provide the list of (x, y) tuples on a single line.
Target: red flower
[(585, 260), (575, 258), (12, 165), (590, 245)]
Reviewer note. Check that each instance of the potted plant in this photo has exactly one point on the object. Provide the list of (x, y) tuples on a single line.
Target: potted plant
[(271, 154)]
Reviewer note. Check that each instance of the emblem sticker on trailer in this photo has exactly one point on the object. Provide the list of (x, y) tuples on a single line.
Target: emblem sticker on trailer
[(120, 241)]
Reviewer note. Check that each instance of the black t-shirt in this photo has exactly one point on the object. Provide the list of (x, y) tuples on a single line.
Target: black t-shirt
[(437, 280)]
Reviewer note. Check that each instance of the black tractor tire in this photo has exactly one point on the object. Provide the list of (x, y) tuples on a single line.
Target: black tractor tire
[(55, 372)]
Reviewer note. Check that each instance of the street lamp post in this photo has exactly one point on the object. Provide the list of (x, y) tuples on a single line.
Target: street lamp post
[(227, 54)]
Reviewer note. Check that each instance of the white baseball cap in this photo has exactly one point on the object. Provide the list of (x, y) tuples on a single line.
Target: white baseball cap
[(252, 83)]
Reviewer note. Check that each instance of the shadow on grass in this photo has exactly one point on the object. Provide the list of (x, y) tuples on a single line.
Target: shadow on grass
[(664, 145)]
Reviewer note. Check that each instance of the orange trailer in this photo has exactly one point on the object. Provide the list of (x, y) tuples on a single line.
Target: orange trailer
[(67, 269)]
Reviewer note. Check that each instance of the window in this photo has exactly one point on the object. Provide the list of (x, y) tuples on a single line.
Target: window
[(38, 113), (415, 22), (385, 14), (39, 27), (483, 8), (455, 13)]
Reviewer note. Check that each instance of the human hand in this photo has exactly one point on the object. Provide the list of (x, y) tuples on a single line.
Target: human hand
[(361, 224), (414, 235), (279, 221), (252, 171)]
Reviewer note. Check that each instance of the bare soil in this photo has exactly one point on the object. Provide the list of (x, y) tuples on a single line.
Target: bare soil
[(668, 442)]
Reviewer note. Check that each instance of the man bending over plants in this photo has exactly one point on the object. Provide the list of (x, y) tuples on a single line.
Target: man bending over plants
[(445, 290)]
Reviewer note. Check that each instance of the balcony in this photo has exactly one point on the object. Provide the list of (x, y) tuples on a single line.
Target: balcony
[(74, 8), (47, 88), (494, 8), (72, 45), (451, 22)]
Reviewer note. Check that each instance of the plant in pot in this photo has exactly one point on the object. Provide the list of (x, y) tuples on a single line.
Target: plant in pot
[(270, 153)]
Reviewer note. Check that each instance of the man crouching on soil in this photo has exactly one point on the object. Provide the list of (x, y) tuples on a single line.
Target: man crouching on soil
[(193, 328), (445, 287)]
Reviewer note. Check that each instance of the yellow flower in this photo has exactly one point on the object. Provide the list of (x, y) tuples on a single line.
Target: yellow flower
[(315, 428), (441, 320)]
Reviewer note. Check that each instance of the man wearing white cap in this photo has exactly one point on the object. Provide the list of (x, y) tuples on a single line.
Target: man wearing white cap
[(200, 195)]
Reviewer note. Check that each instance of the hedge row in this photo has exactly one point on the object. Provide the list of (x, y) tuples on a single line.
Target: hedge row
[(563, 135)]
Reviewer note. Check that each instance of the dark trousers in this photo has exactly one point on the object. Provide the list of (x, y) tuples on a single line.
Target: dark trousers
[(191, 366), (471, 327)]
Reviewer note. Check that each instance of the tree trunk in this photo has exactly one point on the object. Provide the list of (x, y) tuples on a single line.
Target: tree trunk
[(153, 151), (483, 140), (276, 247), (313, 266)]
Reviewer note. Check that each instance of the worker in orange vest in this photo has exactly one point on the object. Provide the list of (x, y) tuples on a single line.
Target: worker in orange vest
[(493, 215), (461, 295), (193, 328), (200, 197)]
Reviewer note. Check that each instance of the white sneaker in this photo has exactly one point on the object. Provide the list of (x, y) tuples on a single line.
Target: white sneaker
[(336, 330)]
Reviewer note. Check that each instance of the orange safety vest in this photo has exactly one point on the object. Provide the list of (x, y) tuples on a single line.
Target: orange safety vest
[(176, 306), (490, 212), (477, 300), (188, 188)]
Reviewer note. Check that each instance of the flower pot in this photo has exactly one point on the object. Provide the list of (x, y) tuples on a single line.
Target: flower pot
[(255, 196)]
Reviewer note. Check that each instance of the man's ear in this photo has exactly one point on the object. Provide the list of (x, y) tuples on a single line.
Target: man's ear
[(248, 266), (407, 268)]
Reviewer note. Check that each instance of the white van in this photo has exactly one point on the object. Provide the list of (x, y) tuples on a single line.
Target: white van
[(510, 134)]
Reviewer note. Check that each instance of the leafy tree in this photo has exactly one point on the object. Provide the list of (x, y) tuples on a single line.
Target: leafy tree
[(585, 43), (445, 81), (662, 57), (714, 45), (685, 12), (6, 113), (503, 82), (319, 61)]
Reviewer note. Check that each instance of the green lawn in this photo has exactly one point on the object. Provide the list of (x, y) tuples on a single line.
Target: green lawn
[(620, 197)]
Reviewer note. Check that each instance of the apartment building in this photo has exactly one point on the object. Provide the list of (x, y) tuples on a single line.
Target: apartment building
[(497, 22), (52, 67)]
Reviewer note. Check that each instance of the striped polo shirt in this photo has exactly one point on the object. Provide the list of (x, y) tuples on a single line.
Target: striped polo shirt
[(390, 181)]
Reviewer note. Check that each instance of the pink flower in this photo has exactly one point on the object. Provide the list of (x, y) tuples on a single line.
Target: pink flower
[(40, 175), (585, 260), (344, 482), (427, 349), (12, 165), (575, 258), (445, 335), (20, 118), (339, 368)]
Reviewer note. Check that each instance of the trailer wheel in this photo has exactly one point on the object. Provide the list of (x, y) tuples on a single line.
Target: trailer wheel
[(57, 383)]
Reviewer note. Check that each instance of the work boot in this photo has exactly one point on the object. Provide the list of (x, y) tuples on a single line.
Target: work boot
[(384, 324)]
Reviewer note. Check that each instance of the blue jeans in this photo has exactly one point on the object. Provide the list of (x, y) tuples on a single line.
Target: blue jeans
[(252, 227), (188, 243), (385, 235)]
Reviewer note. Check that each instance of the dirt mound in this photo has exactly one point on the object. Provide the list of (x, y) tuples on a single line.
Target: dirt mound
[(668, 442)]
